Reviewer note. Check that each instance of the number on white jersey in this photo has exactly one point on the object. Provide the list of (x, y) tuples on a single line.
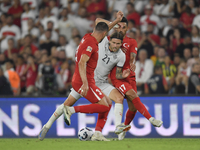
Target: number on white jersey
[(106, 59)]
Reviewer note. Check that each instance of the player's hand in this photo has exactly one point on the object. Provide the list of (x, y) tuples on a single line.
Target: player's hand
[(84, 89), (120, 15), (132, 67), (126, 73), (124, 50)]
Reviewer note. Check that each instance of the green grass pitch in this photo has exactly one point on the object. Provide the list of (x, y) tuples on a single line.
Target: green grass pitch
[(75, 144)]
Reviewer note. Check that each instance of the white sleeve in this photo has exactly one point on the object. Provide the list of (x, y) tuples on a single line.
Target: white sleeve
[(34, 3), (110, 3), (6, 75), (137, 70), (55, 23), (195, 21), (42, 37), (121, 60), (18, 33), (149, 68)]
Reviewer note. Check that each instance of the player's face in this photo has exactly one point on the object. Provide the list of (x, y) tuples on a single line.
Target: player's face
[(122, 28), (115, 44)]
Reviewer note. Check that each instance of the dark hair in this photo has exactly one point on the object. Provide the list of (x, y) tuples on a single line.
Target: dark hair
[(116, 35), (20, 56), (132, 21), (129, 3), (10, 61), (188, 9), (101, 27), (50, 22), (31, 56), (77, 36), (156, 68), (187, 35), (9, 15), (12, 39), (195, 46), (193, 65), (29, 36), (100, 13), (196, 28), (124, 20)]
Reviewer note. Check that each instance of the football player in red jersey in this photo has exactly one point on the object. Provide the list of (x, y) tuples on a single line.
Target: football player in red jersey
[(127, 86), (83, 82)]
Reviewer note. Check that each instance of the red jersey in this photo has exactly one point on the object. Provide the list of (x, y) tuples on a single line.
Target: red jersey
[(12, 10), (31, 76), (134, 16), (131, 46), (20, 71), (33, 48), (187, 19), (88, 46)]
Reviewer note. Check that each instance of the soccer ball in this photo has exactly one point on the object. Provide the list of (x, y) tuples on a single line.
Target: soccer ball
[(85, 134)]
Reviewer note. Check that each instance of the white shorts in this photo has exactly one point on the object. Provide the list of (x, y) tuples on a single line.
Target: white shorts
[(106, 88)]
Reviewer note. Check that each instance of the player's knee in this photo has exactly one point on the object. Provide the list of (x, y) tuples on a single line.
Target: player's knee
[(120, 99), (108, 101), (131, 95)]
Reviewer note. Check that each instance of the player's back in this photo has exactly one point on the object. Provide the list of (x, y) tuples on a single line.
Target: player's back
[(107, 61), (131, 47), (88, 46)]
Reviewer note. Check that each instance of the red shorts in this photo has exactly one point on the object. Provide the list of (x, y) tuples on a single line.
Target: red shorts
[(125, 85), (94, 93)]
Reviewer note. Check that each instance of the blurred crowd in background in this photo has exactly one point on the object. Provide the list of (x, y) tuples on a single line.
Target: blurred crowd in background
[(38, 40)]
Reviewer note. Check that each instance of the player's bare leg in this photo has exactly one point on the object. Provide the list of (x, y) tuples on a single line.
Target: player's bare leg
[(118, 111), (58, 112), (130, 114), (132, 96), (102, 118)]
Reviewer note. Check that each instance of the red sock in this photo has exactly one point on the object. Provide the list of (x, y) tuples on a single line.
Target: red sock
[(141, 108), (92, 108), (102, 118), (129, 116)]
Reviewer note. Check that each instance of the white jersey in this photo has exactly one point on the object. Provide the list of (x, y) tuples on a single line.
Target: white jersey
[(107, 60)]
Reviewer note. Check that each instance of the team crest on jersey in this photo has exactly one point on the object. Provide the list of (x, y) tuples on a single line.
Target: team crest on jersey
[(115, 56), (89, 49)]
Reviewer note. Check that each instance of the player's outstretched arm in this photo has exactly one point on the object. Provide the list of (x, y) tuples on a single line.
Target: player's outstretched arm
[(120, 74), (82, 71), (111, 24), (132, 61)]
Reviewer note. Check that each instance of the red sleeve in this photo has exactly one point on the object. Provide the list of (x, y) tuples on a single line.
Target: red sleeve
[(164, 81), (88, 50), (133, 46), (137, 19)]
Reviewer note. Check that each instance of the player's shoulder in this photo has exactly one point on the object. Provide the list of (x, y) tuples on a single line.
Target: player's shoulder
[(131, 40), (121, 54)]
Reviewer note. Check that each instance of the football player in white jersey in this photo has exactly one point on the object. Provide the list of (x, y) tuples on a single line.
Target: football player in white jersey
[(110, 55)]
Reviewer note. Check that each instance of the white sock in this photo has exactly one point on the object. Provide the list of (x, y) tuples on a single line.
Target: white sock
[(118, 110), (72, 110), (57, 113), (151, 119)]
